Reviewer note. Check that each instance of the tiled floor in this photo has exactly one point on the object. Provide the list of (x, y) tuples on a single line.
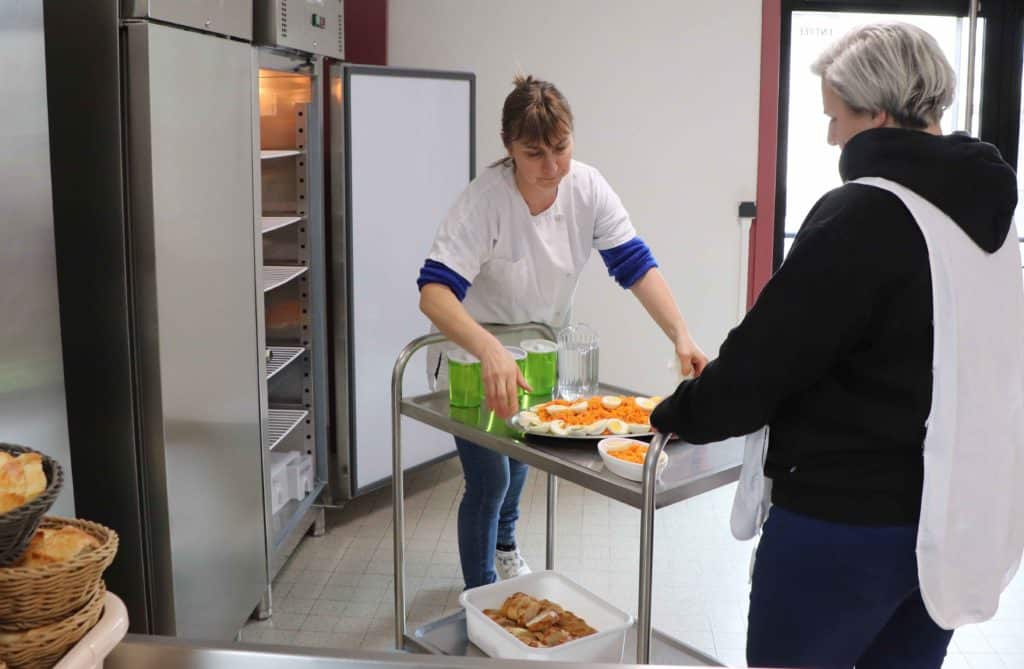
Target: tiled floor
[(337, 590)]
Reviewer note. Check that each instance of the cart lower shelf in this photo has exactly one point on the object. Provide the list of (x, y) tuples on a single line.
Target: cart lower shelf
[(447, 636)]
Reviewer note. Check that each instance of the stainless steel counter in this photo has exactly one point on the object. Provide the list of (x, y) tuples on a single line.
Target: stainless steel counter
[(150, 652)]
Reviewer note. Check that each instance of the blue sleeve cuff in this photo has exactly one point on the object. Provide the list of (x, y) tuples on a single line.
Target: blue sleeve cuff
[(629, 262), (436, 272)]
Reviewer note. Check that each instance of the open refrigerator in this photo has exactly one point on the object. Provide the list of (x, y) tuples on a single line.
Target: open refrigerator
[(290, 253), (239, 220), (187, 179)]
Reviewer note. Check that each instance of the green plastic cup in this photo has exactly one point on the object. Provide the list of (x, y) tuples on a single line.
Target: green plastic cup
[(465, 415), (541, 365), (465, 387), (519, 355)]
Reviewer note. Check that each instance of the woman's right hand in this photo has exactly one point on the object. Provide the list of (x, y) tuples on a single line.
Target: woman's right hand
[(501, 378)]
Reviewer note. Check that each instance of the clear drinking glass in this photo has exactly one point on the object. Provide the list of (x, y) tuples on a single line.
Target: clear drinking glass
[(577, 362)]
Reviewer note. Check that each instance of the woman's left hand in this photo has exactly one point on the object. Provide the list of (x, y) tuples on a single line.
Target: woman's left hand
[(692, 360)]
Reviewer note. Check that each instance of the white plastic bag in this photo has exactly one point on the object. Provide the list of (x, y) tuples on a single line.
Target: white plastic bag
[(754, 491)]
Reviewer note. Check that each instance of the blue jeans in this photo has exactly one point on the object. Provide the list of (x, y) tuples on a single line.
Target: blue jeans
[(833, 595), (489, 509)]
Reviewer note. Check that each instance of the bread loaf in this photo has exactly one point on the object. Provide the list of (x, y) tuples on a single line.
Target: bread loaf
[(22, 479), (50, 546)]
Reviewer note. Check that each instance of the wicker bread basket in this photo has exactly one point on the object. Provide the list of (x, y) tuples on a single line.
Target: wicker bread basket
[(19, 524), (41, 647), (35, 596)]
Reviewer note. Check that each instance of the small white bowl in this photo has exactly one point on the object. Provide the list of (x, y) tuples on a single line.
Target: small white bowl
[(629, 470)]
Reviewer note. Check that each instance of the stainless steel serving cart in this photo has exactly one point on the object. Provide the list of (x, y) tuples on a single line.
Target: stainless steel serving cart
[(692, 470)]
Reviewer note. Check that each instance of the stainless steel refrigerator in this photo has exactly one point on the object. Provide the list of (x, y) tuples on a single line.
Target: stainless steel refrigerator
[(152, 129)]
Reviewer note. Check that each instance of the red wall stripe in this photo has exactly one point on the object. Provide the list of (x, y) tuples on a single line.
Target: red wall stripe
[(762, 232), (366, 32)]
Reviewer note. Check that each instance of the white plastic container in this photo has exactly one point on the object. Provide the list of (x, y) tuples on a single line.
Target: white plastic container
[(610, 622), (307, 474), (300, 476), (279, 493)]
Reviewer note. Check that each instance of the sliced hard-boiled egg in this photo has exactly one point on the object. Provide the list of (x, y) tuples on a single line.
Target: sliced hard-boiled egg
[(646, 403), (580, 407), (611, 402), (531, 422), (616, 426), (538, 427), (597, 427), (558, 427), (577, 430), (657, 399), (639, 428), (555, 409)]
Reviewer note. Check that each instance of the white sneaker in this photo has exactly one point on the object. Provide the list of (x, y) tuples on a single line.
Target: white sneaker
[(510, 564)]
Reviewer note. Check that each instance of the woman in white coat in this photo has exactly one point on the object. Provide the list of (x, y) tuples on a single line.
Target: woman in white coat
[(511, 251), (885, 358)]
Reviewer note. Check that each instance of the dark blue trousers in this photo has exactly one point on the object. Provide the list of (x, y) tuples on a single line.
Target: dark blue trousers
[(832, 595), (489, 509)]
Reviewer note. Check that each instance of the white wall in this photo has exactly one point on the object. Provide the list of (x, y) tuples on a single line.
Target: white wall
[(665, 97)]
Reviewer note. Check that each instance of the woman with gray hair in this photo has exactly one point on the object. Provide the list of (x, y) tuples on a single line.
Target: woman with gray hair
[(884, 359)]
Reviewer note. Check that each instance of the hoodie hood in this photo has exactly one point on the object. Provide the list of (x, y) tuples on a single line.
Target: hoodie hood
[(964, 177)]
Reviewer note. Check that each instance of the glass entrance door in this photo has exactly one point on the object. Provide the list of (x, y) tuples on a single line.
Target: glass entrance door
[(808, 166)]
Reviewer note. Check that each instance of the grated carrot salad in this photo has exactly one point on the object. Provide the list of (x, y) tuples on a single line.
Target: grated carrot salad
[(632, 453), (628, 411)]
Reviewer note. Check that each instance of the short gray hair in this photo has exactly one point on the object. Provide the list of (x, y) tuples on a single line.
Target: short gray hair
[(892, 67)]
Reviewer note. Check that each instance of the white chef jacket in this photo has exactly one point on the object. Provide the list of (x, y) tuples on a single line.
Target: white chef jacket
[(525, 268)]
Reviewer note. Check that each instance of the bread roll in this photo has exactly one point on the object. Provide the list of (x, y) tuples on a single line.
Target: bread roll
[(22, 479), (10, 501), (51, 546)]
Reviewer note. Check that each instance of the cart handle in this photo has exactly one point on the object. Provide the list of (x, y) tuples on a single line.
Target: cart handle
[(397, 474), (649, 485)]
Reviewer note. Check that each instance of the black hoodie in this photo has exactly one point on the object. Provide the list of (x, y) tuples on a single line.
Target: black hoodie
[(836, 354)]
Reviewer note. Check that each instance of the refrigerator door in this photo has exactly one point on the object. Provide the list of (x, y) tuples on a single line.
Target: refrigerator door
[(190, 158), (408, 155), (92, 271), (224, 17)]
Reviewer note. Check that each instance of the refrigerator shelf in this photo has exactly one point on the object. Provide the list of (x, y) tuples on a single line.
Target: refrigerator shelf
[(271, 223), (271, 154), (276, 276), (283, 422), (281, 357)]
